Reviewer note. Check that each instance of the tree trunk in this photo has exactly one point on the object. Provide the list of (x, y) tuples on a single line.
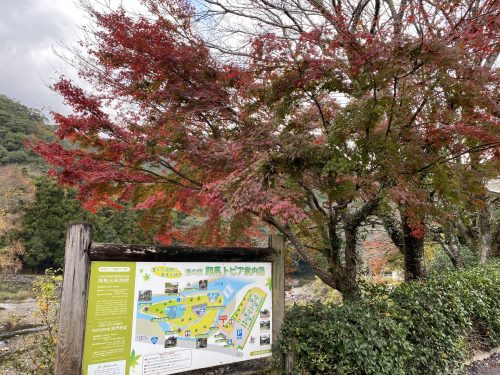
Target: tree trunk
[(413, 254), (340, 277), (453, 253), (351, 290), (495, 242), (411, 247), (451, 246), (484, 236)]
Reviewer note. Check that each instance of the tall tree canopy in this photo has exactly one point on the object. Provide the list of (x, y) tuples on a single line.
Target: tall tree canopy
[(18, 124), (312, 117), (42, 227), (34, 211)]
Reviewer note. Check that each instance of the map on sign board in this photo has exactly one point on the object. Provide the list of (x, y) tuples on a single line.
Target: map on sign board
[(150, 318), (220, 312)]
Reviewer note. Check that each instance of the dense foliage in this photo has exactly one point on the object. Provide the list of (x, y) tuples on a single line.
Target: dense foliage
[(16, 191), (18, 124), (305, 128), (44, 223), (416, 328), (438, 261), (34, 210)]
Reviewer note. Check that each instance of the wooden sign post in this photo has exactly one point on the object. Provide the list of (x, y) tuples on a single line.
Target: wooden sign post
[(82, 256)]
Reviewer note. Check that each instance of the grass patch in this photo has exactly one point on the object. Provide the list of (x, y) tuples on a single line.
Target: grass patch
[(15, 292)]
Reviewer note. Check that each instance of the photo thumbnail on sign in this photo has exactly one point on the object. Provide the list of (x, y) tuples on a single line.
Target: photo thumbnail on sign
[(203, 284), (265, 314), (170, 342), (201, 343), (145, 295), (265, 339), (265, 325), (171, 288)]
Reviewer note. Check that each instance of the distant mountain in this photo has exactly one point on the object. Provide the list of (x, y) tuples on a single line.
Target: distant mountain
[(18, 124)]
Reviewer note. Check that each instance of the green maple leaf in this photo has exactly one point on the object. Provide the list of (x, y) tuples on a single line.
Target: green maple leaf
[(146, 277), (269, 283), (141, 270), (134, 359)]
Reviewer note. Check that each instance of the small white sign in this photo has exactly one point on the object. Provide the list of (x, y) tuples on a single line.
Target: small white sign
[(107, 368)]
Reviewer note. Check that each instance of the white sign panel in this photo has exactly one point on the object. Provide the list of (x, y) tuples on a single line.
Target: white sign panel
[(195, 315)]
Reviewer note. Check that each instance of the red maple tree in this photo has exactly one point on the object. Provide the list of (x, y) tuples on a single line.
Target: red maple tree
[(329, 114)]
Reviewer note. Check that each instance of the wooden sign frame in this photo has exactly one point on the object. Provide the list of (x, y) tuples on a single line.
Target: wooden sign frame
[(80, 252)]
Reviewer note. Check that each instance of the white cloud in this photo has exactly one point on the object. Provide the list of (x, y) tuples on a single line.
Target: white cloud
[(29, 30)]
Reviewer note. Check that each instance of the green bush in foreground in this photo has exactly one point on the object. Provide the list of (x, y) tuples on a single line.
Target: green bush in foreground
[(35, 354), (412, 329)]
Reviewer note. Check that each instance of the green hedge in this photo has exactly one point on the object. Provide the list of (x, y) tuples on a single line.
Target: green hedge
[(413, 329)]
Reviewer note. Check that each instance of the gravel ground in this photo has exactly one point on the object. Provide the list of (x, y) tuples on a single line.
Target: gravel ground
[(17, 312), (311, 292), (489, 366)]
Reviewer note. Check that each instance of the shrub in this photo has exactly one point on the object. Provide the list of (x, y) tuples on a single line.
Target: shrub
[(36, 353), (440, 261), (414, 328)]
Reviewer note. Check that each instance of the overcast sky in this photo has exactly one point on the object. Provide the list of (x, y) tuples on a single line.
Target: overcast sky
[(29, 31)]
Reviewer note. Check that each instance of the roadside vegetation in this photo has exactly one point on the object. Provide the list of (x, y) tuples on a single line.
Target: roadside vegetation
[(427, 327), (34, 354)]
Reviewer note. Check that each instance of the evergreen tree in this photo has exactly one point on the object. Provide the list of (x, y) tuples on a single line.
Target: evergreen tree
[(44, 225), (119, 226), (44, 222)]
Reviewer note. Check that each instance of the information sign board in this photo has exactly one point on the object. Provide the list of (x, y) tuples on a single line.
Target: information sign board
[(146, 318)]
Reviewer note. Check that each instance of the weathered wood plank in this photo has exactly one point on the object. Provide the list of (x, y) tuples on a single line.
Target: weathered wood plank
[(277, 242), (74, 300), (152, 253)]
